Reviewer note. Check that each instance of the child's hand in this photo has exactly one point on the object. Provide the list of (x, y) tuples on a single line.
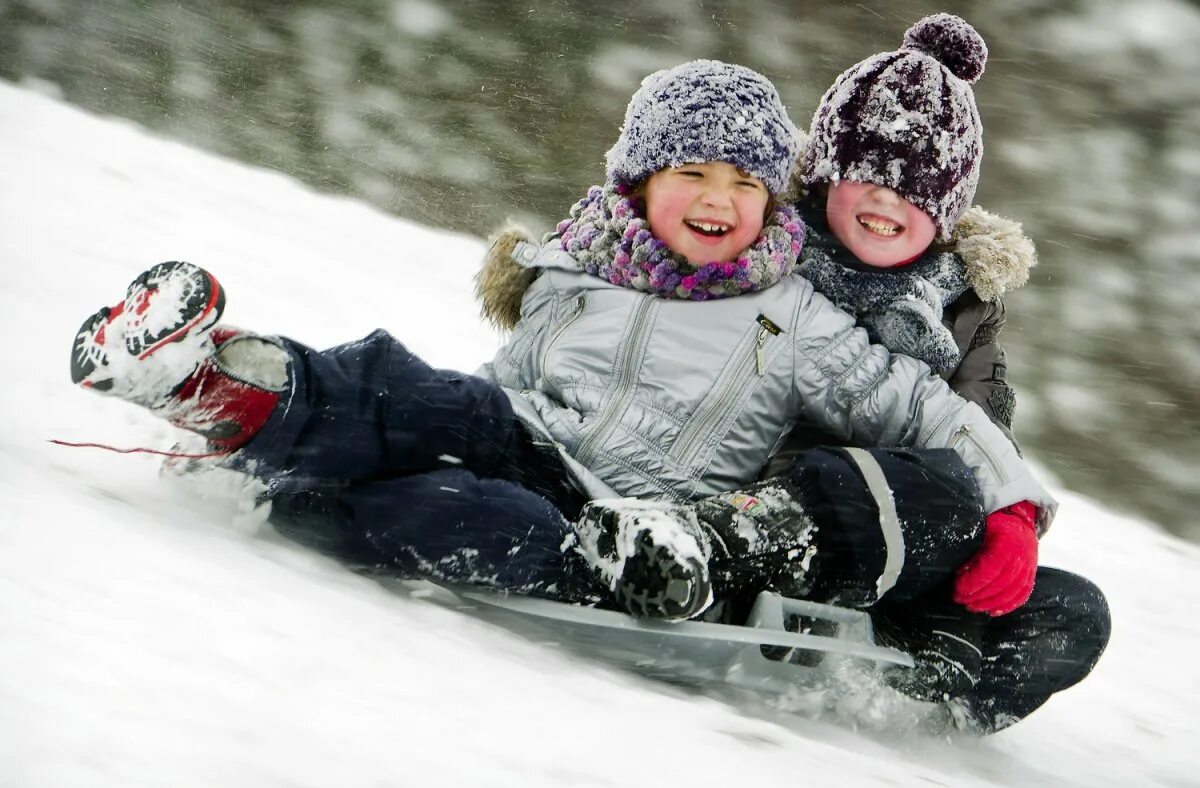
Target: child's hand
[(999, 578)]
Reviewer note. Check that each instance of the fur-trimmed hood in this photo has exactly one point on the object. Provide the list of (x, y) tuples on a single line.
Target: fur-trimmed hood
[(501, 282), (995, 250)]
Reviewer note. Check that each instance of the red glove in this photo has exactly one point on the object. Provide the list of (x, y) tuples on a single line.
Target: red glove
[(999, 578)]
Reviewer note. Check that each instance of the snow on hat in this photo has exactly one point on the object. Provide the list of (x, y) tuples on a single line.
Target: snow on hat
[(907, 120), (705, 110)]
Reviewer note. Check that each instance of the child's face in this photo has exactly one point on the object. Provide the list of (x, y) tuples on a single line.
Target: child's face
[(878, 226), (708, 212)]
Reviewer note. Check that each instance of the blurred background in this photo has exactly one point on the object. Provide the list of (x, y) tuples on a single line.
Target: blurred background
[(461, 115)]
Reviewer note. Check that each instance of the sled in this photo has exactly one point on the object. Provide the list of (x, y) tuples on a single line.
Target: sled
[(761, 655)]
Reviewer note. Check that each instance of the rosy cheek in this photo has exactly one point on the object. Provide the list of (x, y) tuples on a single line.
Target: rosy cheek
[(750, 233), (921, 226), (664, 212), (751, 214), (839, 225)]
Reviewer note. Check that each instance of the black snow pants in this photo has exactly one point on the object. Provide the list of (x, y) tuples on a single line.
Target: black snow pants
[(379, 459)]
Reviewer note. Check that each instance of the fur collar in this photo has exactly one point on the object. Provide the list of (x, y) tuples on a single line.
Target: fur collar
[(995, 251), (501, 282)]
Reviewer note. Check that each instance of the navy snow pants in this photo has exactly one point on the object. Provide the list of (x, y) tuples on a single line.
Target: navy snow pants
[(1050, 643), (385, 462), (1047, 645)]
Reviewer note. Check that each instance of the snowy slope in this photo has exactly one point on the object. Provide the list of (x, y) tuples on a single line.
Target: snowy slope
[(156, 633)]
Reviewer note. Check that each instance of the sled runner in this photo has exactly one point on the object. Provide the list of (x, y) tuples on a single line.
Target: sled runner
[(760, 655)]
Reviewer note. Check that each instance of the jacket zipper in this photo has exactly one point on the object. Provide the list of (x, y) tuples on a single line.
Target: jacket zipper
[(688, 439), (576, 312), (700, 428), (760, 356), (766, 327), (624, 388), (966, 433)]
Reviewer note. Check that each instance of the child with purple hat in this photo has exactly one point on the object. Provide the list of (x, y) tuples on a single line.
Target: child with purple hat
[(886, 185)]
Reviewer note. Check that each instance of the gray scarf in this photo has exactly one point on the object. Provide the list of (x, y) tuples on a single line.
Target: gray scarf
[(901, 307)]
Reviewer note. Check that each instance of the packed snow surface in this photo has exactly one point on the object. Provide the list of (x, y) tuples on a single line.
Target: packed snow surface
[(156, 632)]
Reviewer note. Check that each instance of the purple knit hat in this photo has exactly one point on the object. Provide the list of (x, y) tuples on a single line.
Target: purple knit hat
[(705, 110), (907, 120)]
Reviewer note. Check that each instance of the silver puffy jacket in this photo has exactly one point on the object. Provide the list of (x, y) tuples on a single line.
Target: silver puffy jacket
[(662, 398)]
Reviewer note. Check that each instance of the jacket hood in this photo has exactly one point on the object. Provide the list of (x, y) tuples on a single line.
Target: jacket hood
[(996, 252)]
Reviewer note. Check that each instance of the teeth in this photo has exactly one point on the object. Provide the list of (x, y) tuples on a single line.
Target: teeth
[(705, 227), (881, 229)]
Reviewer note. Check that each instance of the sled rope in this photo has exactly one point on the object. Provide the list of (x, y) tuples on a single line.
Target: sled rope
[(138, 450)]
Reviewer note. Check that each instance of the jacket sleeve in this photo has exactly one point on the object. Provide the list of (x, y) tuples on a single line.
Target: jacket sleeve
[(982, 375), (865, 394)]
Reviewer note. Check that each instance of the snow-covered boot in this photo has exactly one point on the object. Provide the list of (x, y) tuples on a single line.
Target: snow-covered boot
[(160, 348), (761, 537), (652, 556), (745, 541)]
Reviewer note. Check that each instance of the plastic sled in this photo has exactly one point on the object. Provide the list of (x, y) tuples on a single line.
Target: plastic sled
[(761, 656)]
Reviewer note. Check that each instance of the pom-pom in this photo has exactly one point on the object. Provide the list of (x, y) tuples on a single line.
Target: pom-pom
[(952, 42)]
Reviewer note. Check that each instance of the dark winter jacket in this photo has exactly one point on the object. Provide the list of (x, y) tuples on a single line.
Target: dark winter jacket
[(997, 257)]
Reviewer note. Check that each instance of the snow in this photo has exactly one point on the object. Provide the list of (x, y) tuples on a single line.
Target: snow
[(155, 632)]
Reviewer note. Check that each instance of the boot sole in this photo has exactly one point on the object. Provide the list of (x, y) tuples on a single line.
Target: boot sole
[(201, 309), (654, 584)]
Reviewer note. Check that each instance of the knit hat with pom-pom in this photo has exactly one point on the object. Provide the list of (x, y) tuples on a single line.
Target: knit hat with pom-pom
[(705, 110), (907, 120)]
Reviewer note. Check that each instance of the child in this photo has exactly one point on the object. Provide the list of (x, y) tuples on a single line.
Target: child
[(631, 371), (889, 172)]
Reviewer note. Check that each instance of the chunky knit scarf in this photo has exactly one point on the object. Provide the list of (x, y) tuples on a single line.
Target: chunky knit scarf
[(610, 238), (901, 307)]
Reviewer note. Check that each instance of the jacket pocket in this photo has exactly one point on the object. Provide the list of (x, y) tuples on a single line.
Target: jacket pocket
[(965, 434), (513, 357)]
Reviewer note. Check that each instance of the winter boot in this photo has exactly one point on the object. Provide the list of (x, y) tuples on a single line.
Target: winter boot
[(746, 541), (652, 556), (944, 640), (159, 348), (761, 538)]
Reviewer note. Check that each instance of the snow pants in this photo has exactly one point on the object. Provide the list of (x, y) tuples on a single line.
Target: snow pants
[(1050, 643), (891, 522), (1047, 645), (386, 463)]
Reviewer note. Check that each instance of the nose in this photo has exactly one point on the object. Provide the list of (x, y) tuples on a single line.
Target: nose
[(885, 195), (717, 195)]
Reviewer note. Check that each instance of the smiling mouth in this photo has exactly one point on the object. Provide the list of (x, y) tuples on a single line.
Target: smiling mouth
[(708, 229), (879, 225)]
